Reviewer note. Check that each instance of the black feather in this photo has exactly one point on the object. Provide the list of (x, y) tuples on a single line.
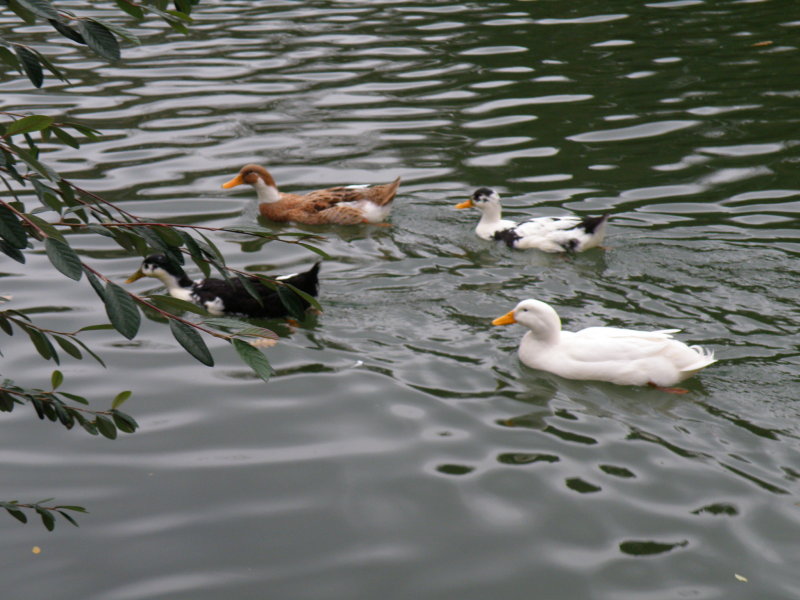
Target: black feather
[(235, 297), (589, 224), (509, 236)]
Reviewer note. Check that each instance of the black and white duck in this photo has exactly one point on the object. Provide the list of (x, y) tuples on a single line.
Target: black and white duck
[(549, 234), (221, 297)]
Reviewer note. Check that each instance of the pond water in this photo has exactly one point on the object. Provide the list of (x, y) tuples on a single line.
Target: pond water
[(401, 450)]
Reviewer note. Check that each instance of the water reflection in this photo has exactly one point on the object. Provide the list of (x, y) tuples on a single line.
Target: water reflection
[(401, 450)]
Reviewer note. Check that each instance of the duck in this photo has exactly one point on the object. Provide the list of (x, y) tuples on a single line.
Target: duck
[(549, 234), (227, 297), (338, 205), (615, 355)]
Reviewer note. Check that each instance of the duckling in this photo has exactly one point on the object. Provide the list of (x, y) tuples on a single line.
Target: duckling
[(621, 356), (337, 205), (221, 297), (549, 234)]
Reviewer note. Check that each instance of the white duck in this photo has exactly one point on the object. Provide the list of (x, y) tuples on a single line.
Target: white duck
[(549, 234), (621, 356)]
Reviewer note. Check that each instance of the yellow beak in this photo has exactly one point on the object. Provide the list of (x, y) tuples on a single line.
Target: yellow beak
[(136, 276), (465, 204), (238, 180), (506, 319)]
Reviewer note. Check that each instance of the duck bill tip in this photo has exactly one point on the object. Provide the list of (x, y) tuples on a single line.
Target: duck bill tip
[(465, 204), (233, 182), (506, 319), (135, 277)]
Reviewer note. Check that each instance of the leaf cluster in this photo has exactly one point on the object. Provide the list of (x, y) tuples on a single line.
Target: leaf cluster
[(44, 212), (100, 36), (15, 509), (61, 406)]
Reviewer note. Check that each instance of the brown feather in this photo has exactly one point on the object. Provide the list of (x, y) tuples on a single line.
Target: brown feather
[(319, 206)]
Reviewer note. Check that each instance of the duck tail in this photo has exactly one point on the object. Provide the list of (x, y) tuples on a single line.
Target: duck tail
[(308, 281), (705, 358), (384, 194), (595, 224)]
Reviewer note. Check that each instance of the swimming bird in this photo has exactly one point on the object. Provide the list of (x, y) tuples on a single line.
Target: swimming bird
[(621, 356), (337, 205), (549, 234), (221, 297)]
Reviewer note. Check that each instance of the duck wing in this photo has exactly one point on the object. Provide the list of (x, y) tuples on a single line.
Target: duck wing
[(610, 344), (320, 200)]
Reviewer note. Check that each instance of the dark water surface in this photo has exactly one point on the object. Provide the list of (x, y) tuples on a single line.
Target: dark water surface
[(401, 451)]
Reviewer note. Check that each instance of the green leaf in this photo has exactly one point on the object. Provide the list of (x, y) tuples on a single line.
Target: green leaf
[(12, 252), (75, 398), (48, 519), (5, 325), (99, 38), (191, 341), (79, 509), (64, 137), (305, 296), (196, 252), (17, 514), (153, 240), (68, 517), (291, 302), (8, 57), (319, 251), (226, 323), (105, 427), (124, 422), (63, 258), (28, 124), (56, 379), (96, 285), (21, 11), (122, 32), (120, 398), (132, 9), (42, 344), (50, 66), (11, 230), (34, 164), (122, 310), (47, 195), (30, 64), (177, 305), (169, 235), (64, 415), (254, 358), (87, 131), (68, 347), (41, 8), (67, 31), (251, 288)]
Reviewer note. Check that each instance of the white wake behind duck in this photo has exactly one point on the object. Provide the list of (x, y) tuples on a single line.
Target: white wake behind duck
[(621, 356), (549, 234)]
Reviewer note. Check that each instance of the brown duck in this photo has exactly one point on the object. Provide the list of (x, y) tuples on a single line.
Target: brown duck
[(339, 205)]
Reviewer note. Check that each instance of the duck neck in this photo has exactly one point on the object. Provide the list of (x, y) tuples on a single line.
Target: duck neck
[(267, 193), (491, 215), (490, 221), (178, 286)]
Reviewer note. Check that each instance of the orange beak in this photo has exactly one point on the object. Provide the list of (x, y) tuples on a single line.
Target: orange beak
[(506, 319), (465, 204), (238, 180), (135, 277)]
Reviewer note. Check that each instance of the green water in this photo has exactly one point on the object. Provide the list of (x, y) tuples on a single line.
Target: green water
[(401, 451)]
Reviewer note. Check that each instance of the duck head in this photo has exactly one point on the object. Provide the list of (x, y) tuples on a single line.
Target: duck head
[(540, 318), (481, 199), (163, 269), (258, 177)]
